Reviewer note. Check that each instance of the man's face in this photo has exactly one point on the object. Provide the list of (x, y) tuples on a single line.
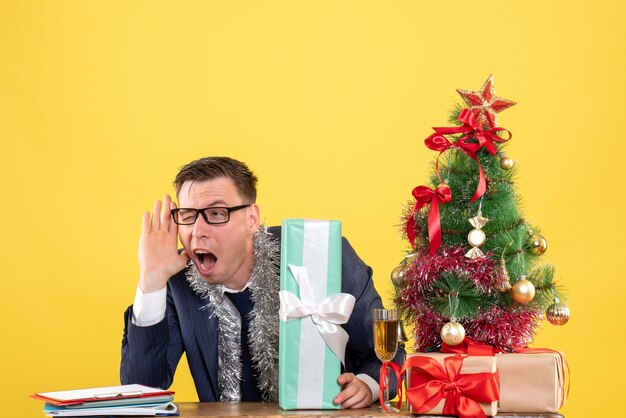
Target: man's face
[(222, 253)]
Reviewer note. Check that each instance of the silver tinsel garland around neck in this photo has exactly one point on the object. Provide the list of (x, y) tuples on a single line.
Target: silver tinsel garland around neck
[(264, 286)]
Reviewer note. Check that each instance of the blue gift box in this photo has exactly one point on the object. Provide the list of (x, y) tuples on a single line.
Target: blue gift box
[(311, 301)]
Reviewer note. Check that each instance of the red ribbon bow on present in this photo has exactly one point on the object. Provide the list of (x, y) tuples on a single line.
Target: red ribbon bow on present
[(462, 392), (423, 196), (472, 129)]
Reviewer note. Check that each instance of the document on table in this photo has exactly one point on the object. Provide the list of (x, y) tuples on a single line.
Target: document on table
[(146, 409), (125, 400), (107, 393)]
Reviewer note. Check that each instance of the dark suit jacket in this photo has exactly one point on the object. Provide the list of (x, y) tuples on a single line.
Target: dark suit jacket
[(150, 354)]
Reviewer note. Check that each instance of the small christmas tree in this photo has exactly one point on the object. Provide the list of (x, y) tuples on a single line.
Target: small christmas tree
[(474, 270)]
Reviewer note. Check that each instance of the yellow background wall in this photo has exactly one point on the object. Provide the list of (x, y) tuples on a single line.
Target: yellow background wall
[(329, 102)]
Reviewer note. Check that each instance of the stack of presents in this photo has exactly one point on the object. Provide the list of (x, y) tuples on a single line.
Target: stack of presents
[(469, 379), (531, 381)]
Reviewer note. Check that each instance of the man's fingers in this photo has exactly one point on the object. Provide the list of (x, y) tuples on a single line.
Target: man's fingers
[(173, 228), (345, 378), (158, 254), (356, 394), (155, 224), (351, 396), (145, 223), (355, 401), (160, 219), (164, 216)]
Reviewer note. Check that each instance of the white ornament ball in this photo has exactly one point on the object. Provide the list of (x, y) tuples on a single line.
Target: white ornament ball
[(476, 237), (452, 333)]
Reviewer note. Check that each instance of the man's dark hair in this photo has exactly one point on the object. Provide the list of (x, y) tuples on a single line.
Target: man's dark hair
[(210, 168)]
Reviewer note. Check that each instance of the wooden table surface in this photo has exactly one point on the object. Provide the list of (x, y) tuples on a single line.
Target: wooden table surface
[(271, 410)]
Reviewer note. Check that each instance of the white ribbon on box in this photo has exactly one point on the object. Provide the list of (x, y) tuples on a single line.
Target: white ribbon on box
[(328, 315)]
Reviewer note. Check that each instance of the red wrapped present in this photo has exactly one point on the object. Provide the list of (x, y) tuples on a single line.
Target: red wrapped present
[(448, 384)]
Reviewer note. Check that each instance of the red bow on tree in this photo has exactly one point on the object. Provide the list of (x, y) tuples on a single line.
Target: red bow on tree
[(486, 138), (472, 129), (423, 196), (462, 392)]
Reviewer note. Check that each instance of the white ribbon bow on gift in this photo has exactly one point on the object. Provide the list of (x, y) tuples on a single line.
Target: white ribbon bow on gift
[(327, 315)]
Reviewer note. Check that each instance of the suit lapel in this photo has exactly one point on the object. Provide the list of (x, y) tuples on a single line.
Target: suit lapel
[(205, 327)]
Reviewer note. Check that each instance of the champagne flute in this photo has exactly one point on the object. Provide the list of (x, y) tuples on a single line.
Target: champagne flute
[(386, 344)]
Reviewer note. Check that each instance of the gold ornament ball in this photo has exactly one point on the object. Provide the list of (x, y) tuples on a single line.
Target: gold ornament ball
[(476, 237), (557, 313), (452, 333), (506, 163), (538, 244), (398, 276), (523, 291)]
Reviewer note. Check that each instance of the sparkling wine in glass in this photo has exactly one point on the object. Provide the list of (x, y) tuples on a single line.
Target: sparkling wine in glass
[(386, 343)]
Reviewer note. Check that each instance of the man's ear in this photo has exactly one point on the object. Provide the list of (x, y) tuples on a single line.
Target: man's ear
[(253, 218)]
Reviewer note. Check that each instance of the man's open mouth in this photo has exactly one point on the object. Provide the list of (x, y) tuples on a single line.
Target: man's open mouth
[(205, 261)]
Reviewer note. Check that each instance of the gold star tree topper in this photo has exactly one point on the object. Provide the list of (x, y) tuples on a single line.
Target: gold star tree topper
[(485, 103)]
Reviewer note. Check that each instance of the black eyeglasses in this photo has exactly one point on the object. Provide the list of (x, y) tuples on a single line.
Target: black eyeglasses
[(213, 216)]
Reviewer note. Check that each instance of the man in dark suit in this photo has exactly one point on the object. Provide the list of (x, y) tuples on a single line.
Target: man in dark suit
[(217, 299)]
